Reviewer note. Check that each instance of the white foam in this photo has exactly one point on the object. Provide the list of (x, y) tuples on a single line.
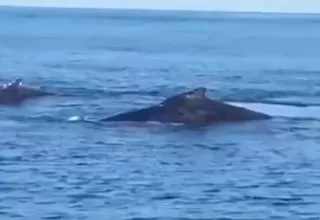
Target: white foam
[(282, 110), (74, 118)]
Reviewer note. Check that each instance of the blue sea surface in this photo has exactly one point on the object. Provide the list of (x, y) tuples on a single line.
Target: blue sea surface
[(103, 62)]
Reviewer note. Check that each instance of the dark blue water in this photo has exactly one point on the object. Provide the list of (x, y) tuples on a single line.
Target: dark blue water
[(111, 61)]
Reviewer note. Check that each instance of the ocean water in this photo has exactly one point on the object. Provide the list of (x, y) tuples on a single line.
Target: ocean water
[(103, 62)]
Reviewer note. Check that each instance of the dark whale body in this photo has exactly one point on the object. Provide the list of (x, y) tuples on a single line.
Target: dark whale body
[(192, 108), (15, 93)]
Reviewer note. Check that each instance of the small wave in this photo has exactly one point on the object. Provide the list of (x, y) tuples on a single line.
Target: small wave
[(38, 119), (278, 110), (85, 119)]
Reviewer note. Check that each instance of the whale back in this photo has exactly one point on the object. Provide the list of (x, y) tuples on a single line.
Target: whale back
[(195, 107), (192, 107), (14, 92)]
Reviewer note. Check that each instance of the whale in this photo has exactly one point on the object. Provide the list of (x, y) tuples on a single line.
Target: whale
[(15, 92), (191, 108)]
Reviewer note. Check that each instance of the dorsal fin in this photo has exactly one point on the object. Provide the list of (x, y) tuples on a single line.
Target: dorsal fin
[(17, 82), (14, 84), (197, 93)]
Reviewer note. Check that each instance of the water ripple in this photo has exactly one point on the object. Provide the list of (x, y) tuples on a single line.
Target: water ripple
[(62, 169)]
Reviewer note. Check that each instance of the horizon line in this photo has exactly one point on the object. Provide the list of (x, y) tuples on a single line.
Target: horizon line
[(159, 9)]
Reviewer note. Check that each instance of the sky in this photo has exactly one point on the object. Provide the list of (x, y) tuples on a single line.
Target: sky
[(302, 6)]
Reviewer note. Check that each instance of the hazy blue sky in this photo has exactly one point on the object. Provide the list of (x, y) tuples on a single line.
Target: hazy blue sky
[(233, 5)]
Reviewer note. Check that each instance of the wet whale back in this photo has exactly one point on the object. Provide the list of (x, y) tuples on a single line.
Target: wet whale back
[(221, 111), (144, 114), (15, 93), (10, 97), (191, 107)]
